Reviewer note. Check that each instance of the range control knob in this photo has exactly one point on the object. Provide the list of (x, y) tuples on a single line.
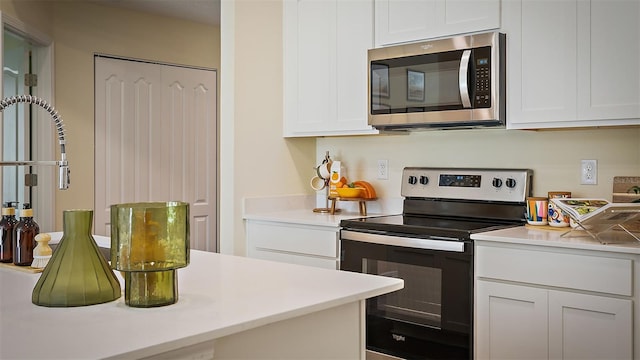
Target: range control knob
[(413, 180), (424, 180), (497, 182), (511, 183)]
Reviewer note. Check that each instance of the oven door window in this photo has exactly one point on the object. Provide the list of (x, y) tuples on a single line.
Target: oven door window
[(438, 285), (419, 302)]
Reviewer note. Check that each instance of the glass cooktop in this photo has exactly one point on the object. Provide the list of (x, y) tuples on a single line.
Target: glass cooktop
[(460, 229)]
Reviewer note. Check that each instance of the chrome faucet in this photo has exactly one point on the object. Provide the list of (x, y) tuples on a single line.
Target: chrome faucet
[(63, 165)]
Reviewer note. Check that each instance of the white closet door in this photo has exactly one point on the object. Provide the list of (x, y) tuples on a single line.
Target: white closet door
[(155, 139), (189, 116)]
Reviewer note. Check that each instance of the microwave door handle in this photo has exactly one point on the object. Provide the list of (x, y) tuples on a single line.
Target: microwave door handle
[(463, 84)]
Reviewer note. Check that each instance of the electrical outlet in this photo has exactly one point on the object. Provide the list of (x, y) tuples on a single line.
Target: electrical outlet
[(383, 169), (589, 172)]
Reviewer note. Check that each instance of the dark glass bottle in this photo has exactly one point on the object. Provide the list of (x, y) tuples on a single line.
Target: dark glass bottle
[(24, 237), (7, 224)]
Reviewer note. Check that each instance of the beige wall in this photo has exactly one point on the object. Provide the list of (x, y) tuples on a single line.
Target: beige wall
[(35, 13), (80, 30), (554, 156), (255, 159)]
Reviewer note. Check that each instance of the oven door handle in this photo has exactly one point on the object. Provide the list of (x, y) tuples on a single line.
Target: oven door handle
[(451, 244)]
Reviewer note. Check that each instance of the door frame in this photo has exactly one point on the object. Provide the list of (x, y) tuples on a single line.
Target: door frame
[(44, 140)]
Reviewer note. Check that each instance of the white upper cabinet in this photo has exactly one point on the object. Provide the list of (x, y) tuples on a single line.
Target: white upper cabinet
[(399, 21), (609, 63), (541, 60), (325, 67), (572, 63)]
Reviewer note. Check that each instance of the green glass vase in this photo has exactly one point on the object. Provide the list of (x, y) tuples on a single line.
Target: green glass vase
[(149, 242), (77, 274)]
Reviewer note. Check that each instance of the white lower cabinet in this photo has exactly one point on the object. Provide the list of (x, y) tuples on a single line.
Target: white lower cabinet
[(585, 326), (511, 321), (522, 322), (293, 243), (541, 304)]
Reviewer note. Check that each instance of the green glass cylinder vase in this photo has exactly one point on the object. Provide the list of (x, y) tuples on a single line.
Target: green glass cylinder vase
[(77, 273), (149, 242)]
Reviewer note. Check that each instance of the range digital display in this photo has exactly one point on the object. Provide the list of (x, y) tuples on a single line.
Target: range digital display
[(460, 180)]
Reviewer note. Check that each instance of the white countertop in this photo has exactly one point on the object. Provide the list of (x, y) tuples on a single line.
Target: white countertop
[(305, 217), (531, 235), (101, 241), (219, 295), (298, 209)]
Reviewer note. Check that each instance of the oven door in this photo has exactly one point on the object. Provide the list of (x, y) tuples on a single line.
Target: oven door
[(431, 318)]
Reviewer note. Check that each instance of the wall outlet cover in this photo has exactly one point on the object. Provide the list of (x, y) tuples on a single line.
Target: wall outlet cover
[(589, 172), (383, 170)]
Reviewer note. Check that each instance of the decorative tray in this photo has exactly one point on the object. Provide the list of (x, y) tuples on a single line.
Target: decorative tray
[(27, 269)]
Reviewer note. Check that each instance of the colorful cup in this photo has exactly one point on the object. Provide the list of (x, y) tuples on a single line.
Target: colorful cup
[(537, 210), (557, 217)]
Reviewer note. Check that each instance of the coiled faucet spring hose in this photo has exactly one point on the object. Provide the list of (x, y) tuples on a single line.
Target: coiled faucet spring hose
[(63, 166), (57, 119)]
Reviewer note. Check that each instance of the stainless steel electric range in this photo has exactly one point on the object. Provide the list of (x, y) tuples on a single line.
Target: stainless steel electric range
[(429, 246)]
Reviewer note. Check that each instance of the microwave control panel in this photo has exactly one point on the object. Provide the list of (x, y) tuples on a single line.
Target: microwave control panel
[(482, 65)]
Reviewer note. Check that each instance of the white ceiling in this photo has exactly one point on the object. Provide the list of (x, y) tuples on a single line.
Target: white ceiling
[(203, 11)]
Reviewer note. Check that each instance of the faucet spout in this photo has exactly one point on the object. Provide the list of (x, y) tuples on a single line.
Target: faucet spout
[(63, 166)]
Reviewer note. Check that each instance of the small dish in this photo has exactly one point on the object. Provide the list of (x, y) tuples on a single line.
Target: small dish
[(347, 192)]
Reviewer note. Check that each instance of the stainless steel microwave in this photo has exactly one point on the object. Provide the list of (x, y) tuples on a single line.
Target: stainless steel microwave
[(456, 82)]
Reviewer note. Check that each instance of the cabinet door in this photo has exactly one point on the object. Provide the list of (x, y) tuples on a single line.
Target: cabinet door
[(399, 21), (325, 67), (463, 16), (354, 21), (541, 61), (608, 58), (589, 327), (572, 63), (511, 321), (316, 27), (293, 243)]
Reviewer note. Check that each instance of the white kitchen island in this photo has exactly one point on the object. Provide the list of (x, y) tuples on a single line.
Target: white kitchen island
[(228, 307)]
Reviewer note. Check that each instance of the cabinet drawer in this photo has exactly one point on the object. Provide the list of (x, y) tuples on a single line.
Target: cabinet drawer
[(285, 257), (293, 239), (572, 271)]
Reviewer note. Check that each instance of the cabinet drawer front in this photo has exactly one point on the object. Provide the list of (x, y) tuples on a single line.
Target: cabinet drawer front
[(293, 239), (590, 273), (285, 257)]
